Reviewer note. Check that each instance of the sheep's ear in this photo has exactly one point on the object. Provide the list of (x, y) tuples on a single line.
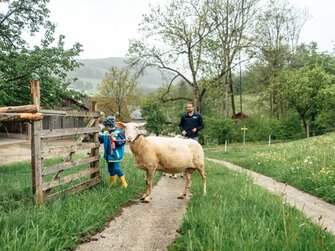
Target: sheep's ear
[(120, 124), (139, 125)]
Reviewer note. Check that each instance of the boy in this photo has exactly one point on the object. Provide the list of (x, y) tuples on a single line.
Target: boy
[(114, 141)]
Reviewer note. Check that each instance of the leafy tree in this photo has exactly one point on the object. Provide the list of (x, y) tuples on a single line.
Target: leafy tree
[(181, 26), (277, 30), (326, 108), (234, 22), (308, 55), (303, 89), (118, 88), (19, 63), (154, 114)]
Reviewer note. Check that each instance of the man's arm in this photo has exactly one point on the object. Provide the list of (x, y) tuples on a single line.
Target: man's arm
[(181, 123), (200, 123)]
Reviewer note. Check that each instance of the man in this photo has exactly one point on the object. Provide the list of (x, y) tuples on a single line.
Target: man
[(191, 123)]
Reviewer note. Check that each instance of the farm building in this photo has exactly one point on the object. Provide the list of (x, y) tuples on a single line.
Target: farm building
[(239, 116), (21, 130)]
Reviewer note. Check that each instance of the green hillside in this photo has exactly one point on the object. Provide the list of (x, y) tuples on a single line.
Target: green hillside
[(93, 71)]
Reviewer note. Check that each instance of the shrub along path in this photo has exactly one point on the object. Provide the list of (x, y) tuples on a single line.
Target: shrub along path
[(319, 211)]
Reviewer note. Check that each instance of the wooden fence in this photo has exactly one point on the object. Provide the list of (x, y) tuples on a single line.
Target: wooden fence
[(46, 179)]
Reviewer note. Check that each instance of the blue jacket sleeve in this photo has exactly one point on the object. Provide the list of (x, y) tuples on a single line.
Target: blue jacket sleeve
[(101, 139), (120, 136)]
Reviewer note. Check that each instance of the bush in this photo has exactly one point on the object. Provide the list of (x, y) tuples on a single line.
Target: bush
[(259, 128), (289, 127), (218, 130)]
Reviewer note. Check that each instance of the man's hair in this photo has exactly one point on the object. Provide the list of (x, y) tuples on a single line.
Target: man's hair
[(190, 103)]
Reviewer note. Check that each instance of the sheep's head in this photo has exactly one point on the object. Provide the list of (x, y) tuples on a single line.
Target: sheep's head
[(131, 130)]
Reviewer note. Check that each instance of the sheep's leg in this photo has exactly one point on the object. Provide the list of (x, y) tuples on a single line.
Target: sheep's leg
[(187, 182), (203, 175), (148, 193), (146, 189)]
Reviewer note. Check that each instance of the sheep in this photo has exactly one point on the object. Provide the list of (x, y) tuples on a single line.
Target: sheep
[(170, 155)]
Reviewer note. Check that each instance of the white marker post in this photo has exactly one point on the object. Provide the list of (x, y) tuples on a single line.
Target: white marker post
[(244, 129)]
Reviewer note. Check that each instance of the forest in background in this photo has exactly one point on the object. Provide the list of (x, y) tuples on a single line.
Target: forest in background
[(217, 53)]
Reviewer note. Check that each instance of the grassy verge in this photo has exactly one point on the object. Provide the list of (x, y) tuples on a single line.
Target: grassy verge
[(60, 224), (238, 215), (307, 164)]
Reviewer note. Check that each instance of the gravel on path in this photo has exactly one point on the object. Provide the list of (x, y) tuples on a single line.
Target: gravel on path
[(145, 226)]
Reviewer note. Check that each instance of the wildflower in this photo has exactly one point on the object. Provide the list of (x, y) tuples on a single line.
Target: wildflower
[(308, 160)]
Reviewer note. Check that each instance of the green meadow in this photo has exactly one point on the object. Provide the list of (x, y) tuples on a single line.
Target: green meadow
[(238, 215), (64, 222), (235, 215), (307, 164)]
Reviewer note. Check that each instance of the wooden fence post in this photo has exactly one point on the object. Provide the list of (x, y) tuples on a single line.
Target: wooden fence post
[(95, 151), (36, 161)]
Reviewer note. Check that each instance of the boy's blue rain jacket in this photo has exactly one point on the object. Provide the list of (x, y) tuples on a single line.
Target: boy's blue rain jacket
[(118, 152)]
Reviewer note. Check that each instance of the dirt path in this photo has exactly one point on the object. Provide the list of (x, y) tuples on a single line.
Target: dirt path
[(14, 150), (145, 226), (319, 211)]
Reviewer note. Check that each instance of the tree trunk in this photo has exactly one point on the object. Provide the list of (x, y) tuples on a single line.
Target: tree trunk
[(197, 98), (304, 122), (226, 95), (271, 105), (232, 94), (200, 103)]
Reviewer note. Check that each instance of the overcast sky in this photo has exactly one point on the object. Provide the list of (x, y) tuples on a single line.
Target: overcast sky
[(104, 27)]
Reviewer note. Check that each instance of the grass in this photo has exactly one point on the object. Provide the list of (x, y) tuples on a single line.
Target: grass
[(62, 223), (235, 215), (307, 164), (238, 215)]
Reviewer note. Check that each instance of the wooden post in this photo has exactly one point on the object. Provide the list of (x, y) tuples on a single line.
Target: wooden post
[(95, 151), (19, 109), (36, 161), (244, 129)]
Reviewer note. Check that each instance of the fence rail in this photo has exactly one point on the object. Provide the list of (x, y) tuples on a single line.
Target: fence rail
[(87, 168)]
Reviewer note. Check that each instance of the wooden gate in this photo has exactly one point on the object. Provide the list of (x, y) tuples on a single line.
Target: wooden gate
[(83, 171)]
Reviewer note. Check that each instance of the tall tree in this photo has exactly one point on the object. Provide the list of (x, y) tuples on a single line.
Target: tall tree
[(19, 63), (173, 41), (234, 21), (277, 35), (119, 88), (304, 89)]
